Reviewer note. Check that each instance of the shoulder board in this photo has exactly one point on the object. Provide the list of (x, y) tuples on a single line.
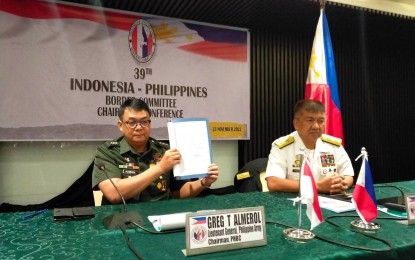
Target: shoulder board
[(113, 143), (285, 141), (331, 139), (242, 175), (160, 144)]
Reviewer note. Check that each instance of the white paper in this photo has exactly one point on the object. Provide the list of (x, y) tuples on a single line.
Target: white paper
[(168, 221), (334, 205), (192, 138)]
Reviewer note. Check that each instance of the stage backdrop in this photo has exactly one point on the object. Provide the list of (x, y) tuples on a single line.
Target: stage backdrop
[(65, 69)]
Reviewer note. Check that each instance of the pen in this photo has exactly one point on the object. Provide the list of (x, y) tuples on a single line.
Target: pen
[(31, 215)]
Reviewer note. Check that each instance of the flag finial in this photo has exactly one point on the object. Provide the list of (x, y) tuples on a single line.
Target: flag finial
[(363, 153), (322, 4)]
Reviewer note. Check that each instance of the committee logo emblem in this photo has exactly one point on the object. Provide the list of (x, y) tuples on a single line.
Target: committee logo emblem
[(142, 41), (199, 234)]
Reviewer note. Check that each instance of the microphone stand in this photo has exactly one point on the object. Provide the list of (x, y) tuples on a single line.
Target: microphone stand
[(297, 234), (123, 219)]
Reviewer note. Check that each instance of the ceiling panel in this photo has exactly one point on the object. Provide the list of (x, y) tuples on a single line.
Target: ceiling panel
[(250, 14), (237, 13)]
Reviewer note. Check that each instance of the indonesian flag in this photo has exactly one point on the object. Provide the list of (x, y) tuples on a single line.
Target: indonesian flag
[(363, 196), (308, 192), (321, 79)]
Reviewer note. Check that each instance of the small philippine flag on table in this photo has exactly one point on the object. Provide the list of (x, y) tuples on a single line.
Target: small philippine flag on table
[(363, 196)]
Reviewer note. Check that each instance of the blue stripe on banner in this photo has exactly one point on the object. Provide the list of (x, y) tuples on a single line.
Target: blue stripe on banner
[(330, 66)]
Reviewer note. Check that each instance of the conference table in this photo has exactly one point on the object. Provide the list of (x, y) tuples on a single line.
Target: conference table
[(40, 237)]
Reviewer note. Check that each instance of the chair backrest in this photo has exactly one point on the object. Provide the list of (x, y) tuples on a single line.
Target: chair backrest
[(263, 181), (98, 197), (248, 178)]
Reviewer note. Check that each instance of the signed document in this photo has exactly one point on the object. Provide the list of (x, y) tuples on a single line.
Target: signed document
[(191, 136)]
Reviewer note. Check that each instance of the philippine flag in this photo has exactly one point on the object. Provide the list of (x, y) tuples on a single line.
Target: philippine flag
[(199, 220), (321, 79), (309, 193), (363, 196)]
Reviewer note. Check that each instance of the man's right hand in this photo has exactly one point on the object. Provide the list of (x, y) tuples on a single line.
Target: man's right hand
[(170, 159), (332, 183)]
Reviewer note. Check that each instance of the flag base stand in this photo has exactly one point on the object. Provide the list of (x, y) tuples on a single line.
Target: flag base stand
[(298, 235), (359, 225)]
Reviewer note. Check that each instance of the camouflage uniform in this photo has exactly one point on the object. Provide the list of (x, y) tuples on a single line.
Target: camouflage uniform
[(120, 161)]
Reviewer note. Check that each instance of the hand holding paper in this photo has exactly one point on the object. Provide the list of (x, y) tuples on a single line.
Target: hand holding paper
[(170, 159), (213, 171), (192, 138)]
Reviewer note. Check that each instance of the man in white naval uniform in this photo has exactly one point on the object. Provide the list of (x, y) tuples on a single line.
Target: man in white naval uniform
[(330, 164)]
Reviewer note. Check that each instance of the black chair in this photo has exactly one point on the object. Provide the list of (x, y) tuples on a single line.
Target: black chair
[(248, 178)]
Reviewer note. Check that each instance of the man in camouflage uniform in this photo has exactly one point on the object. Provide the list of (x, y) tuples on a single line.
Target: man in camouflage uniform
[(329, 162), (140, 166)]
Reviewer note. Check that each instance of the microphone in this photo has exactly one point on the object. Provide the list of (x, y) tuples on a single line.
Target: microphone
[(394, 203), (102, 168), (123, 219)]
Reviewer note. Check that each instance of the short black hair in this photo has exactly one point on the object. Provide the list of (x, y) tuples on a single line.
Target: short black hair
[(308, 105), (134, 104)]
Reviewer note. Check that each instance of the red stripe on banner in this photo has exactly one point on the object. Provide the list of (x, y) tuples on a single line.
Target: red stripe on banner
[(321, 92), (47, 10), (224, 51), (149, 43), (364, 203)]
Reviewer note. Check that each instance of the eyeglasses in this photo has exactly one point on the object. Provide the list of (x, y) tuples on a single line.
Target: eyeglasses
[(142, 123)]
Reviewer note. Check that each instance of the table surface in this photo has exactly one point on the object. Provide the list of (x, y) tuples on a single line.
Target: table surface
[(42, 238)]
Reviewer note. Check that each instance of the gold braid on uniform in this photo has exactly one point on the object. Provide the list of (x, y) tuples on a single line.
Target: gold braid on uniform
[(285, 142), (331, 140)]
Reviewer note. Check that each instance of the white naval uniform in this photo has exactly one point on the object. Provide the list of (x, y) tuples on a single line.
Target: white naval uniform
[(329, 156)]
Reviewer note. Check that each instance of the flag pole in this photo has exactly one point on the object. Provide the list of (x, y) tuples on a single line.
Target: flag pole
[(297, 234), (302, 152)]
